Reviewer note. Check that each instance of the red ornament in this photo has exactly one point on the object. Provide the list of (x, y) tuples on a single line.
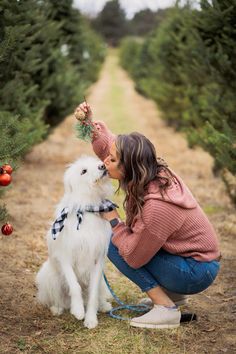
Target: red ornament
[(7, 168), (7, 229), (5, 179)]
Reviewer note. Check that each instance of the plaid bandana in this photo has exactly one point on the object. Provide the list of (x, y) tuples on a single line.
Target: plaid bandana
[(59, 223)]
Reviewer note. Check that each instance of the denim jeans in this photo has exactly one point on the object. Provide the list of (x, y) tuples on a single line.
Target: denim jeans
[(183, 275)]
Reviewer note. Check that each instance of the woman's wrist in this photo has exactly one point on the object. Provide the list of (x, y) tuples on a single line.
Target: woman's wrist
[(114, 222), (110, 215)]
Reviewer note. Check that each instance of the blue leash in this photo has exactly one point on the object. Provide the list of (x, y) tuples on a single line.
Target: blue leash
[(123, 306), (185, 317)]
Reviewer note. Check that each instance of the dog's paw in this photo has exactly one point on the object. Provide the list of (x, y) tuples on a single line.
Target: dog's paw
[(105, 306), (56, 310), (90, 321), (78, 312)]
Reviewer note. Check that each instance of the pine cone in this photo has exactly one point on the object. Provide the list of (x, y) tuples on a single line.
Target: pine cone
[(80, 115)]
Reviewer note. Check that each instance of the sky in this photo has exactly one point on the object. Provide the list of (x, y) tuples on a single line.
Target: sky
[(92, 7)]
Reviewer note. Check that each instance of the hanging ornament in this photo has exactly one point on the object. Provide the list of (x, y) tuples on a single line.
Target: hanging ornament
[(80, 115), (7, 229), (85, 128), (5, 178), (7, 168)]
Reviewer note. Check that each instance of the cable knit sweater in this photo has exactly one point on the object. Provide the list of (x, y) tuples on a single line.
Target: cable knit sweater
[(175, 222)]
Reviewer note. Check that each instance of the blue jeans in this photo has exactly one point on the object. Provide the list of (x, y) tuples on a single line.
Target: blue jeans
[(183, 275)]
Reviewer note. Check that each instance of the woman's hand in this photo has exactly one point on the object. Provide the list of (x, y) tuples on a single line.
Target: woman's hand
[(110, 215), (85, 107)]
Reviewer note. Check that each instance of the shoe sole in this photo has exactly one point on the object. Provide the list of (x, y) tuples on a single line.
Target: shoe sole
[(146, 325), (177, 303)]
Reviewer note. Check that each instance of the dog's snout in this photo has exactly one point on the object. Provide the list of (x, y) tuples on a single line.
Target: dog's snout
[(102, 167)]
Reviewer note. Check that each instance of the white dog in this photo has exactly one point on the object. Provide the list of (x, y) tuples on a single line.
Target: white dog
[(71, 278)]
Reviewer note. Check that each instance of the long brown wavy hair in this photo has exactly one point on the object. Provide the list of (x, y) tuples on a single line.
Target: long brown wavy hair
[(139, 164)]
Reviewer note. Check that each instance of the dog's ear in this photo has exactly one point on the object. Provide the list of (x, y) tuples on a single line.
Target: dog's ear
[(67, 183)]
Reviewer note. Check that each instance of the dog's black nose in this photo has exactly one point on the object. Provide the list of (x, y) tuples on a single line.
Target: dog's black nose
[(102, 167)]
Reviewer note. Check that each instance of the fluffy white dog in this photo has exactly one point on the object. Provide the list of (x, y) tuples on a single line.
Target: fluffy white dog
[(71, 278)]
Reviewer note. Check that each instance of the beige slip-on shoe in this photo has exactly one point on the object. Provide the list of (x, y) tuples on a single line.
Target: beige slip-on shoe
[(178, 299), (158, 317)]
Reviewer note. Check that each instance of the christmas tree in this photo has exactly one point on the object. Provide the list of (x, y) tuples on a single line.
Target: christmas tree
[(188, 67), (41, 81)]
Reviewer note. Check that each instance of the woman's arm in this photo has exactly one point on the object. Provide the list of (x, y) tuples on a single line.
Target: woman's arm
[(102, 137), (139, 243), (102, 140)]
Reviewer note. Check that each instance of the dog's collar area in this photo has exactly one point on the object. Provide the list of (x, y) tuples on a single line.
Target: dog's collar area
[(59, 223)]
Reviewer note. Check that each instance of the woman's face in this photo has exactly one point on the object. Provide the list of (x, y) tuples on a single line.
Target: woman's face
[(111, 163)]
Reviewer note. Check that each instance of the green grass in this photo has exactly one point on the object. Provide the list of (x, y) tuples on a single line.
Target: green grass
[(212, 209), (116, 96), (111, 336)]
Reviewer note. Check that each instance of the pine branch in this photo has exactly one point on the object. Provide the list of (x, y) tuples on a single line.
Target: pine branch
[(85, 130)]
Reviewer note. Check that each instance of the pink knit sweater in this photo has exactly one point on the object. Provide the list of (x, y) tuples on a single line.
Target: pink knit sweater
[(175, 223)]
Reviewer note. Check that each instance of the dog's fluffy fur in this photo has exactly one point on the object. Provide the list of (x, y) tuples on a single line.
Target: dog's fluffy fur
[(71, 278)]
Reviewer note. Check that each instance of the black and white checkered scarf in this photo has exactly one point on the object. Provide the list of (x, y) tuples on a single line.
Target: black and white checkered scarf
[(59, 223)]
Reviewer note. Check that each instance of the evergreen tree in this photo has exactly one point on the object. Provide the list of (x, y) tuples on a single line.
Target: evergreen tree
[(15, 140), (188, 67), (19, 60), (146, 21), (39, 80), (111, 23), (130, 57), (78, 42)]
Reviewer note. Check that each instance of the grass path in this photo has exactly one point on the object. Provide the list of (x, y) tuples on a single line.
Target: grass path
[(37, 187)]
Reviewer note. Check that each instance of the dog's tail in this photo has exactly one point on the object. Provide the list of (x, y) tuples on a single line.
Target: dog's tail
[(51, 288)]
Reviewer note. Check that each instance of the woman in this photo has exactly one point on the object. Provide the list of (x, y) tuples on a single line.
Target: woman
[(167, 244)]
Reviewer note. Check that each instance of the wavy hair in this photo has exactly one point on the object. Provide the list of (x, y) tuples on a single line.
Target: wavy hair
[(139, 165)]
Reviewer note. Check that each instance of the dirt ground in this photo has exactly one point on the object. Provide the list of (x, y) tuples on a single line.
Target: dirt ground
[(37, 187)]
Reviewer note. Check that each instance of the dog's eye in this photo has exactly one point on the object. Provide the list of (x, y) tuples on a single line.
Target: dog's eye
[(83, 172)]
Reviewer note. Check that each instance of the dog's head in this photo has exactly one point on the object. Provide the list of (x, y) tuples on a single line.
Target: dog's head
[(86, 176)]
